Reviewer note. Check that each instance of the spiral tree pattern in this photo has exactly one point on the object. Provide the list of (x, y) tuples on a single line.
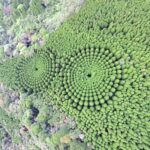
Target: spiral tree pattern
[(36, 73), (92, 77)]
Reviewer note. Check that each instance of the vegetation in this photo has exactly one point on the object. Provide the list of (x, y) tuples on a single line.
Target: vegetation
[(96, 68), (11, 124), (37, 72)]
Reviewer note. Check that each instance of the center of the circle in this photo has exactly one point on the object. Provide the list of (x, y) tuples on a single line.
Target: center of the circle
[(36, 69), (89, 75)]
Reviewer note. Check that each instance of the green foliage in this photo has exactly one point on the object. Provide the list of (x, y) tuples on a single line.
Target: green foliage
[(26, 118), (35, 128), (77, 146), (1, 53), (28, 103), (10, 124), (56, 136), (21, 9), (44, 115), (8, 72), (102, 78), (2, 131), (34, 74), (92, 77), (36, 7)]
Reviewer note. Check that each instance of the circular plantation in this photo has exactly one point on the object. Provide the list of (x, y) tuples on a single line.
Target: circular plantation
[(91, 77), (36, 73)]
